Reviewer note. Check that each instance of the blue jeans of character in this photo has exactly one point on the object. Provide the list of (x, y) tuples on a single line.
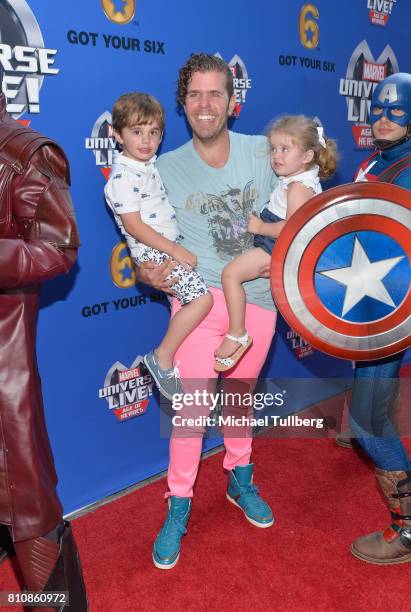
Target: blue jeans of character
[(374, 398)]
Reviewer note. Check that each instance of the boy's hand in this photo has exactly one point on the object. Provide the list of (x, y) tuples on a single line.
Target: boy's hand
[(155, 275), (184, 257), (254, 224)]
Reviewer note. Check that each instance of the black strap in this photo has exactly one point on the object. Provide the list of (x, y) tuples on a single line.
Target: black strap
[(389, 174)]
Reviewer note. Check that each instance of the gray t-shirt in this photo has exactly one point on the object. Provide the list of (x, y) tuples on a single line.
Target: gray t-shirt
[(212, 205)]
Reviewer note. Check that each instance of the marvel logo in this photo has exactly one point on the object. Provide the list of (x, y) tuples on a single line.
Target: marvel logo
[(374, 72)]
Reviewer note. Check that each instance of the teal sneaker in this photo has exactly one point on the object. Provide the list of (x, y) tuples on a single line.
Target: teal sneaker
[(242, 493), (166, 550)]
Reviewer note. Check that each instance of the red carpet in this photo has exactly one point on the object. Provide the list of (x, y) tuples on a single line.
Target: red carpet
[(323, 497)]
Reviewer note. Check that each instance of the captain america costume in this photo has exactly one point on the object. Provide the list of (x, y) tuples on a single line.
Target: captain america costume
[(385, 448), (380, 163), (376, 384)]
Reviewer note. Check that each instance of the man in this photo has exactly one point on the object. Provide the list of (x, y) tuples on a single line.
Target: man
[(201, 178), (38, 241), (376, 382)]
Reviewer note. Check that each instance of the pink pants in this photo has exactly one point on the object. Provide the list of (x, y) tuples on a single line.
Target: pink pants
[(196, 365)]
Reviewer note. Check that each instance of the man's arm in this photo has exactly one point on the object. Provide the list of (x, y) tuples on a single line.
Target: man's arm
[(134, 226), (46, 234)]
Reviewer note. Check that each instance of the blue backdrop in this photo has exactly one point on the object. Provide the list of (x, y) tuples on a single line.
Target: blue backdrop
[(65, 67)]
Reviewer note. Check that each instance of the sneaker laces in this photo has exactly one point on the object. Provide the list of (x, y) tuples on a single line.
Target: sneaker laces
[(175, 372), (172, 528), (250, 492)]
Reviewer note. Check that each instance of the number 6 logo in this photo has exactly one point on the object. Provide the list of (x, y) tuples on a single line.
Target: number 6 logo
[(309, 30)]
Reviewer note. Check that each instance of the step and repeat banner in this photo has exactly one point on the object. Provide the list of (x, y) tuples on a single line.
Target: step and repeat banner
[(65, 66)]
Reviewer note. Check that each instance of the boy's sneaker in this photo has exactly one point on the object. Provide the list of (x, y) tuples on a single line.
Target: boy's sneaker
[(166, 550), (242, 493), (168, 381)]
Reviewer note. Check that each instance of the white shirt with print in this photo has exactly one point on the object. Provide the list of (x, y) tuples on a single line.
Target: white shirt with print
[(136, 186)]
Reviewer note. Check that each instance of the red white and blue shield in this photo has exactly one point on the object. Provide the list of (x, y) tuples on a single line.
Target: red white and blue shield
[(340, 271)]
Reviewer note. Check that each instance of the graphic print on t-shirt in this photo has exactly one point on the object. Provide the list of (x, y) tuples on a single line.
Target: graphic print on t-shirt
[(227, 215)]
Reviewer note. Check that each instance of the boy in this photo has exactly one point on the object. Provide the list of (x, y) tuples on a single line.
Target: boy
[(136, 195)]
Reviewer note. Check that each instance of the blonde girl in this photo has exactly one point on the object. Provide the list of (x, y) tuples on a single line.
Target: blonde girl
[(300, 156)]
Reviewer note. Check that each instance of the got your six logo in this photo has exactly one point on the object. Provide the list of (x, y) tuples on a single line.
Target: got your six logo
[(119, 11), (308, 26)]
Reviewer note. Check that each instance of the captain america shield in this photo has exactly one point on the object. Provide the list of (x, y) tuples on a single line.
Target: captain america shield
[(340, 271)]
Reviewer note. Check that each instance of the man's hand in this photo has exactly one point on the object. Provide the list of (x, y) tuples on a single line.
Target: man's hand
[(254, 224), (155, 275), (184, 257)]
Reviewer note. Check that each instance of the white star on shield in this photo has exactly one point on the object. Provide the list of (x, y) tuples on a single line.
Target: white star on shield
[(363, 278)]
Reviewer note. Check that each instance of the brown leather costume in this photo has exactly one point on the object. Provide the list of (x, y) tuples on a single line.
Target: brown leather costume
[(38, 241)]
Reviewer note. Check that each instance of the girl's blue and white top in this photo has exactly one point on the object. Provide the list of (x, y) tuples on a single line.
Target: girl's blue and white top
[(278, 197), (136, 186)]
